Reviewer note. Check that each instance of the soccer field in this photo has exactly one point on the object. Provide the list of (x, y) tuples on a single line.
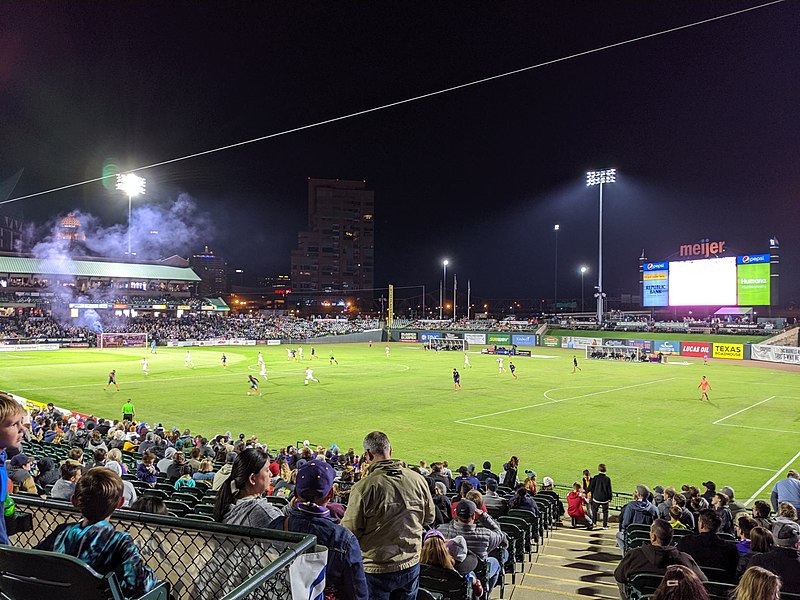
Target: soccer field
[(645, 421)]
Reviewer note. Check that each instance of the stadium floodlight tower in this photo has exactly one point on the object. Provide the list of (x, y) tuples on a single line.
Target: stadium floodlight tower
[(442, 293), (599, 178), (132, 185), (584, 268), (556, 228)]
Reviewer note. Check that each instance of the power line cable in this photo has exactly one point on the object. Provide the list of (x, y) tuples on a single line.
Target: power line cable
[(404, 101)]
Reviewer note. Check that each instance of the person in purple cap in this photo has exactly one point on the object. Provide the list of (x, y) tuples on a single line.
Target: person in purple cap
[(344, 574)]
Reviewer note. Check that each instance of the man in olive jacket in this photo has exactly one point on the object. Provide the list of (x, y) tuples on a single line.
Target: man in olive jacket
[(386, 511)]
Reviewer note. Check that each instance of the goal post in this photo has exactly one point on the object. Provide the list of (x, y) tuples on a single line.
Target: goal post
[(605, 352), (448, 344), (122, 340)]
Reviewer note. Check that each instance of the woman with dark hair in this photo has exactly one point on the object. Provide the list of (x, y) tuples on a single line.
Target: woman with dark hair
[(522, 500), (680, 583), (48, 474), (719, 503), (761, 512), (150, 504), (240, 500), (175, 470), (510, 478)]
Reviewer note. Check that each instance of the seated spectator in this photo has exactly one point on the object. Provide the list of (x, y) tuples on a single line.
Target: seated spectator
[(654, 557), (150, 504), (20, 474), (96, 542), (576, 506), (99, 456), (165, 462), (708, 550), (687, 516), (206, 471), (441, 502), (117, 440), (131, 442), (48, 474), (492, 500), (463, 476), (437, 474), (486, 473), (720, 504), (439, 552), (784, 558), (239, 500), (149, 442), (530, 484), (787, 513), (344, 575), (758, 584), (224, 471), (675, 514), (194, 458), (680, 583), (147, 471), (95, 441), (761, 540), (744, 525), (734, 506), (547, 490), (522, 500), (175, 470), (129, 494), (186, 479), (761, 513), (482, 534), (64, 488), (639, 511), (115, 454)]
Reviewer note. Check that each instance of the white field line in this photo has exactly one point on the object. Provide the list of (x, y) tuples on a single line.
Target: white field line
[(615, 446), (550, 401), (759, 428), (718, 421), (773, 478)]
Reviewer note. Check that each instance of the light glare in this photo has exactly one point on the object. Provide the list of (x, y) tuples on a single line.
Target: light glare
[(131, 184)]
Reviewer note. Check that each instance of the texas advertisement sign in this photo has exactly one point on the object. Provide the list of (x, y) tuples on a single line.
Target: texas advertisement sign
[(733, 351)]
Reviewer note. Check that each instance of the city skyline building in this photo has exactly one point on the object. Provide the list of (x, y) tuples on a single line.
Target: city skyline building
[(213, 272), (337, 252)]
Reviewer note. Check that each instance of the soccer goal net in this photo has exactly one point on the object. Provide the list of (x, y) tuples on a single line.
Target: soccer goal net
[(448, 344), (122, 340), (626, 353)]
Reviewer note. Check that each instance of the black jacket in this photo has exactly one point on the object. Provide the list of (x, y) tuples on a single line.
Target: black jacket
[(600, 488), (708, 550), (653, 559)]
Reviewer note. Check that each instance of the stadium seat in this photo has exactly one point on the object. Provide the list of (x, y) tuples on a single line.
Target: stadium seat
[(423, 594), (718, 590), (534, 525), (524, 545), (28, 574), (446, 582), (156, 493), (182, 496), (179, 509), (516, 549), (277, 501), (203, 509), (635, 539), (642, 585)]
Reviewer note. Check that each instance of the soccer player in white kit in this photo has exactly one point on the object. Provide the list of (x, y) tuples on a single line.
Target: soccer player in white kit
[(300, 352), (187, 362), (310, 376), (260, 360), (289, 354), (466, 361), (144, 366), (263, 371), (387, 351), (501, 368)]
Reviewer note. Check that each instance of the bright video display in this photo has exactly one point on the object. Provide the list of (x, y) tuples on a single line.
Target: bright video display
[(731, 281), (707, 282)]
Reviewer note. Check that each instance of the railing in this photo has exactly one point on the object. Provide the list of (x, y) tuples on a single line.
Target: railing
[(200, 560), (618, 499)]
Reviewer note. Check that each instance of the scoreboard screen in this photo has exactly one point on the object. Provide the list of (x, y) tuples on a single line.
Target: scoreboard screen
[(730, 281)]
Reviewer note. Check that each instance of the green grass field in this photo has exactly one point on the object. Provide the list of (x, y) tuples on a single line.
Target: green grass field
[(645, 421)]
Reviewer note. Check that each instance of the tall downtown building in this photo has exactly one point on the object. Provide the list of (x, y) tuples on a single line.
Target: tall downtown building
[(337, 253)]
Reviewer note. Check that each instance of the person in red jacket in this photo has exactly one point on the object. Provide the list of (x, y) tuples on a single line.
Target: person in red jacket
[(576, 502)]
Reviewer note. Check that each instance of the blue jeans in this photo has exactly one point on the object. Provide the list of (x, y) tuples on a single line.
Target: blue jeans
[(400, 585)]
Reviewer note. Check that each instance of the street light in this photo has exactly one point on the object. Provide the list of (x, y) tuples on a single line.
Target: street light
[(132, 185), (583, 270), (599, 178), (556, 227), (442, 295)]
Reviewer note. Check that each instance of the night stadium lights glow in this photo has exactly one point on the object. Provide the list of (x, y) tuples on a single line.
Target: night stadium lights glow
[(131, 185), (599, 178)]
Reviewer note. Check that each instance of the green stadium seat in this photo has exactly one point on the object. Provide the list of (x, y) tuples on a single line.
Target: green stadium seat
[(642, 585), (28, 574), (447, 583), (189, 499), (203, 509), (177, 508)]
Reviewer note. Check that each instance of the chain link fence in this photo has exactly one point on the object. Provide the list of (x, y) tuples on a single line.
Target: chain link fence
[(200, 560)]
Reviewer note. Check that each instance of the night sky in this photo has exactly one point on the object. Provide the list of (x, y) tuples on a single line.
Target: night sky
[(702, 125)]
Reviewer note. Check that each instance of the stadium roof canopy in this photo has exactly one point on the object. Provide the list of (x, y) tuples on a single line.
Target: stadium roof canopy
[(14, 265)]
